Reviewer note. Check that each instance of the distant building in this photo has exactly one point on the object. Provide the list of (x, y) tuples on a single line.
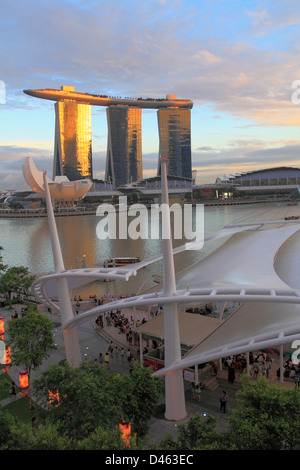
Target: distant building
[(278, 176), (73, 135), (73, 140), (174, 127), (61, 189), (124, 147)]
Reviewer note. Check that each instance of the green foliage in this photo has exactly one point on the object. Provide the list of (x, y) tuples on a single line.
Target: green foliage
[(46, 437), (2, 266), (101, 439), (268, 417), (91, 398), (31, 338), (88, 398), (16, 278), (14, 435), (198, 434), (142, 393)]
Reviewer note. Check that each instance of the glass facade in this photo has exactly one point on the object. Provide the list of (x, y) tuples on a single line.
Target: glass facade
[(73, 140), (174, 127), (124, 149)]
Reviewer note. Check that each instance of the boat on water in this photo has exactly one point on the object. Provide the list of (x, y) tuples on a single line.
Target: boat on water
[(292, 217), (113, 262)]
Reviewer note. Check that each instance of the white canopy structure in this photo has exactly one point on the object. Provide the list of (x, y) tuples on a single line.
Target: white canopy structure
[(192, 327), (261, 266), (257, 266)]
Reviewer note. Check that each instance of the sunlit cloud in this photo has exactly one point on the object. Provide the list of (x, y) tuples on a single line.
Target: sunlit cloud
[(237, 58)]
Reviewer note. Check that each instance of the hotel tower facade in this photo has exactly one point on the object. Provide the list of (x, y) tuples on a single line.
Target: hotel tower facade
[(73, 140), (174, 128), (124, 146)]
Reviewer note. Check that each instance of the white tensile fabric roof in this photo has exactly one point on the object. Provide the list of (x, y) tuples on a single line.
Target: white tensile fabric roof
[(253, 259), (246, 259), (192, 327)]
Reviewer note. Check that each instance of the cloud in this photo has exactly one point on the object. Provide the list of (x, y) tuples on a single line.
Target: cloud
[(154, 52), (240, 58)]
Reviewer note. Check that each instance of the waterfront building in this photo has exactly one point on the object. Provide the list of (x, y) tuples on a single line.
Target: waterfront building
[(73, 140), (62, 190), (277, 176), (174, 126), (124, 146)]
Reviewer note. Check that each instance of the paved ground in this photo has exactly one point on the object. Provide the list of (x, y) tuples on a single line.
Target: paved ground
[(92, 343)]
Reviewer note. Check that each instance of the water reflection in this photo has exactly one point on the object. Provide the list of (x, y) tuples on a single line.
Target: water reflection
[(26, 242)]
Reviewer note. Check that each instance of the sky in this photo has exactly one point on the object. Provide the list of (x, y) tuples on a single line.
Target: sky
[(238, 61)]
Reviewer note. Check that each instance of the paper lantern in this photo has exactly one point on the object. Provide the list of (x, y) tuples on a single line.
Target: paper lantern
[(1, 325), (53, 398), (125, 431), (7, 356), (23, 379)]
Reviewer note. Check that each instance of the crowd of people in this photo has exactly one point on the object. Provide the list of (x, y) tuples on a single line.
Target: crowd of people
[(291, 371), (259, 363), (114, 351)]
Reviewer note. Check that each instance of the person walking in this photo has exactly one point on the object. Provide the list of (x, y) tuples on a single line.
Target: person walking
[(255, 369), (122, 355), (193, 387), (111, 348), (231, 373), (198, 392), (223, 401), (106, 360), (100, 359), (13, 390)]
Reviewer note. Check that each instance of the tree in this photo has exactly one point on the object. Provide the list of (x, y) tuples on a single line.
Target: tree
[(268, 417), (101, 439), (31, 339), (142, 393), (15, 279), (87, 397), (2, 266), (14, 435), (46, 437), (199, 433)]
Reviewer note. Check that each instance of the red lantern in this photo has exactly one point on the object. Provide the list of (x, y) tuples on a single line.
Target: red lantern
[(23, 379), (53, 398), (1, 325), (125, 431), (7, 356)]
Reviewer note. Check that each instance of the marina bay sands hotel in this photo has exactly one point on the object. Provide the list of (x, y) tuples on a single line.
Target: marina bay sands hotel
[(73, 134)]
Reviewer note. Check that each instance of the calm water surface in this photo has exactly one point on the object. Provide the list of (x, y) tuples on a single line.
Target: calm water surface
[(26, 242)]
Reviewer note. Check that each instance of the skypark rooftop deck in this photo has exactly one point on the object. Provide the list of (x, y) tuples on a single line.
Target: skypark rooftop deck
[(101, 100)]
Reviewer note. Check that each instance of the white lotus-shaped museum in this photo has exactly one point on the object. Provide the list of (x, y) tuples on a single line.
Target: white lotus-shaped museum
[(61, 189)]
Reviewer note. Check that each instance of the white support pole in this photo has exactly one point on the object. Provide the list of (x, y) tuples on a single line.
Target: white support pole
[(71, 343), (174, 384)]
